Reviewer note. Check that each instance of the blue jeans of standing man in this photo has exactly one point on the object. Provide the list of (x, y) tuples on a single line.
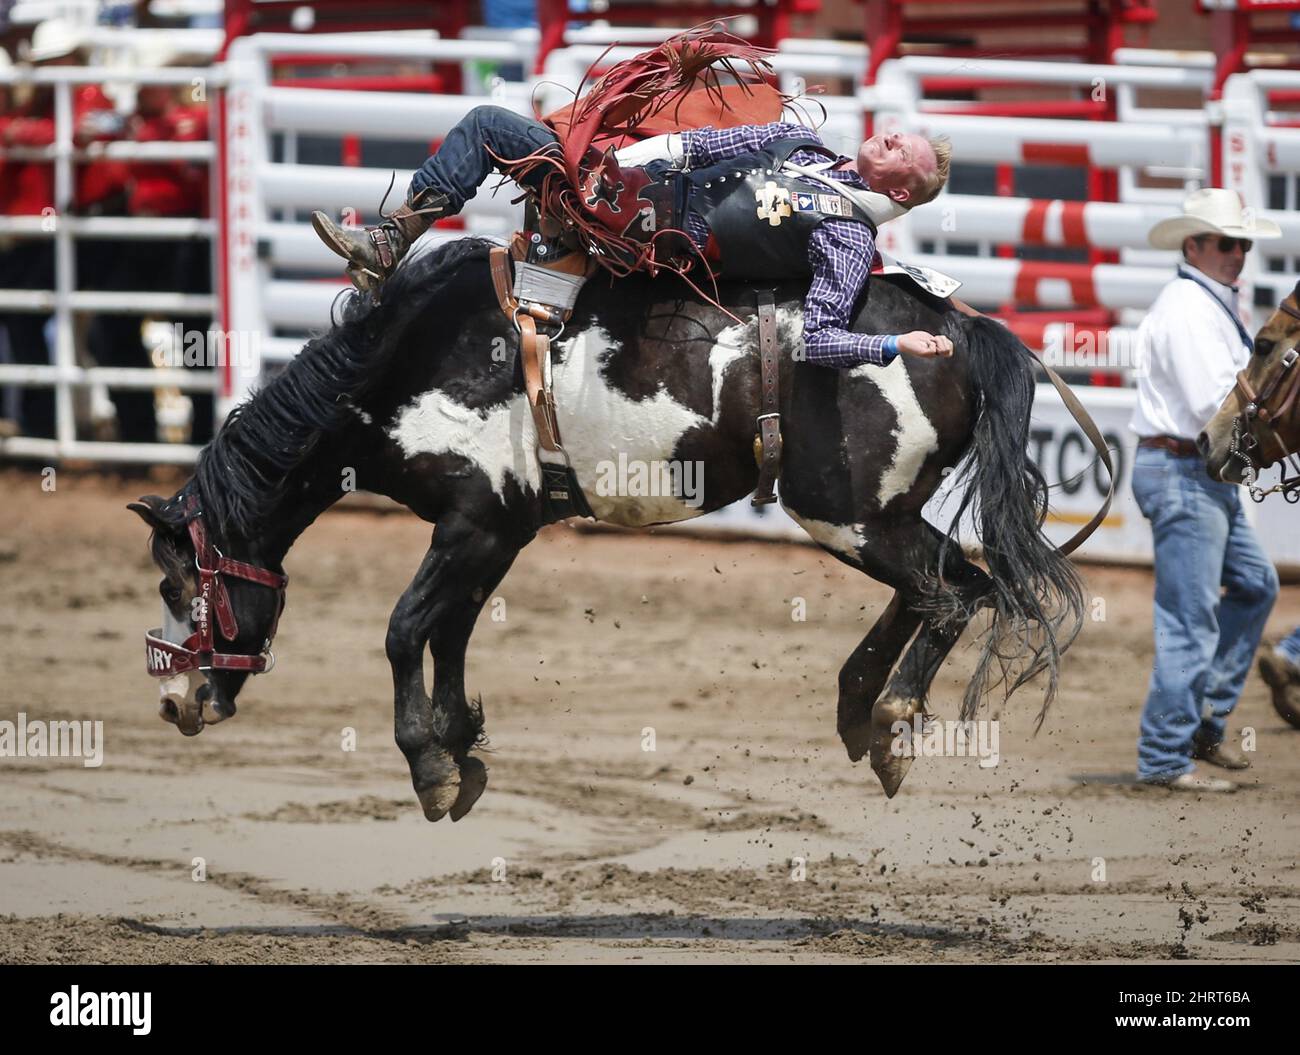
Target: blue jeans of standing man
[(1214, 589), (462, 162)]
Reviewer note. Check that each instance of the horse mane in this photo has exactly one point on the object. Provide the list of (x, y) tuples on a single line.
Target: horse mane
[(242, 473)]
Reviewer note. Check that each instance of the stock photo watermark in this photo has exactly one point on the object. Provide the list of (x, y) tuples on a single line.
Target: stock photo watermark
[(177, 346), (638, 478), (938, 738), (58, 739), (75, 1008), (1070, 347)]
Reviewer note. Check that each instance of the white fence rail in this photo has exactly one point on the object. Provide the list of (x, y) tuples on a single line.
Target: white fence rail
[(266, 249), (257, 244)]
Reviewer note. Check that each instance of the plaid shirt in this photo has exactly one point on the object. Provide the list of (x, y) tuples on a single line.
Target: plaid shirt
[(840, 251)]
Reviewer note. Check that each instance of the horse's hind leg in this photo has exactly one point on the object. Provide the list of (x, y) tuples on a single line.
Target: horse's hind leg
[(905, 555), (910, 686), (463, 565)]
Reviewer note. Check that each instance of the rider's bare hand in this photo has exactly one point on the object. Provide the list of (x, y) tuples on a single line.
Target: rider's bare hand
[(924, 345)]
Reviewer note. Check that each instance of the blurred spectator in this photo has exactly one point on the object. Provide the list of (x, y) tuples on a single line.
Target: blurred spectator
[(509, 14), (26, 189), (99, 191), (506, 14), (164, 113), (9, 395), (100, 185)]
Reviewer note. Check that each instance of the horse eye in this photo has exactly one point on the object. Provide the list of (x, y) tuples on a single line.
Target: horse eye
[(171, 594), (1265, 347)]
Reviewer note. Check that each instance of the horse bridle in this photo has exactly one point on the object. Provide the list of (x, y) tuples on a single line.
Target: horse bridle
[(164, 658), (1273, 402)]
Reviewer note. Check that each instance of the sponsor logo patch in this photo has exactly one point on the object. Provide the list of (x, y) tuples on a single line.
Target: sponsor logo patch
[(833, 204)]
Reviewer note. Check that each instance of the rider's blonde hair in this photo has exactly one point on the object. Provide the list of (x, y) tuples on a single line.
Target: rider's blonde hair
[(928, 188)]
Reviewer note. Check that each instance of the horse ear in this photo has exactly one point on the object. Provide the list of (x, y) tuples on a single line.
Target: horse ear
[(147, 508)]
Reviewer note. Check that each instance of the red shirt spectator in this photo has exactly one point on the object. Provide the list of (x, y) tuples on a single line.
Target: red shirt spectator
[(26, 187), (94, 120), (169, 188)]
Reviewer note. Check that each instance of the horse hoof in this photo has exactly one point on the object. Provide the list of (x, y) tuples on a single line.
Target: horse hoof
[(473, 782), (437, 799), (857, 740), (891, 774), (888, 760)]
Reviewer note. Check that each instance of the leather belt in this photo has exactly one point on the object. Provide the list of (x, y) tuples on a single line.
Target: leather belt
[(767, 442), (1174, 444)]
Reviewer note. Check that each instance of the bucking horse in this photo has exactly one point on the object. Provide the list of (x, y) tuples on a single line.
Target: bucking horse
[(416, 397)]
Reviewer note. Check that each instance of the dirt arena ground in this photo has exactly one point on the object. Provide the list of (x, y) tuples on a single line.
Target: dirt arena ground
[(746, 835)]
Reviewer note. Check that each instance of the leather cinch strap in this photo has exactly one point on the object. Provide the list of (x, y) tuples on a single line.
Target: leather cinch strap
[(499, 261), (767, 442), (534, 347)]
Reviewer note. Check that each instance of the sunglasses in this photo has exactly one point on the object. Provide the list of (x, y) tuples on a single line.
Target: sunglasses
[(1227, 245)]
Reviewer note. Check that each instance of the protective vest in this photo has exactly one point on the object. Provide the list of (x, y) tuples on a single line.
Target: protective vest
[(760, 217)]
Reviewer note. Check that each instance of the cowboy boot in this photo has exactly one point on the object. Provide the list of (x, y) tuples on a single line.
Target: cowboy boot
[(373, 253)]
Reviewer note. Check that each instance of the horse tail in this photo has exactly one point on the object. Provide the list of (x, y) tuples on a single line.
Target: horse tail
[(1036, 595)]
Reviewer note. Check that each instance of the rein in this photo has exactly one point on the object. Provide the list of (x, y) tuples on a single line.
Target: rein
[(1273, 402), (1084, 420), (164, 658)]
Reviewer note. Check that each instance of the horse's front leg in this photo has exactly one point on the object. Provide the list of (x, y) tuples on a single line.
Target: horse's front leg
[(463, 565)]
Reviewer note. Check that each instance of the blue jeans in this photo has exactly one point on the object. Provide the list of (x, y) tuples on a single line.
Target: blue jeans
[(462, 162), (1214, 589), (1289, 646)]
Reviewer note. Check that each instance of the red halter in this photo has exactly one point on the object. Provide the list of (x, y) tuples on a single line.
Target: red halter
[(164, 658)]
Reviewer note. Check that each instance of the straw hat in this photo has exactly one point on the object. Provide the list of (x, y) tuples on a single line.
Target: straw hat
[(54, 38), (1211, 211)]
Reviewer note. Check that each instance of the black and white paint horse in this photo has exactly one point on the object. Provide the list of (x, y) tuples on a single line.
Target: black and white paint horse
[(415, 395)]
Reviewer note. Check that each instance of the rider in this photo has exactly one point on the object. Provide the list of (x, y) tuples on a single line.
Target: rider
[(839, 245)]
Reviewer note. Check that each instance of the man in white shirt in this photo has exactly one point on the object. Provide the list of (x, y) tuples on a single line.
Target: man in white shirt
[(1214, 584)]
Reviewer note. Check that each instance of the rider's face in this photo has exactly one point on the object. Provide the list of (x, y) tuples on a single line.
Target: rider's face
[(893, 164)]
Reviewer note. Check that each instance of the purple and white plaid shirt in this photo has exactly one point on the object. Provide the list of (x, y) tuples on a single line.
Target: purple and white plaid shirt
[(840, 251)]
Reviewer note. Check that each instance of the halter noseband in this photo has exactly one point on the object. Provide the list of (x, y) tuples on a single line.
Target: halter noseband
[(164, 658), (1272, 403)]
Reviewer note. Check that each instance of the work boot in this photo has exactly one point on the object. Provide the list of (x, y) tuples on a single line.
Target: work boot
[(1222, 754), (373, 253), (1196, 782)]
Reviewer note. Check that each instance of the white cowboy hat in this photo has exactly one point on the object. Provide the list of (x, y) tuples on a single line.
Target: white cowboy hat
[(155, 53), (54, 38), (1211, 211)]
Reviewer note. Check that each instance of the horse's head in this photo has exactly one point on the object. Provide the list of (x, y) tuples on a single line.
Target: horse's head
[(1257, 424), (219, 613)]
